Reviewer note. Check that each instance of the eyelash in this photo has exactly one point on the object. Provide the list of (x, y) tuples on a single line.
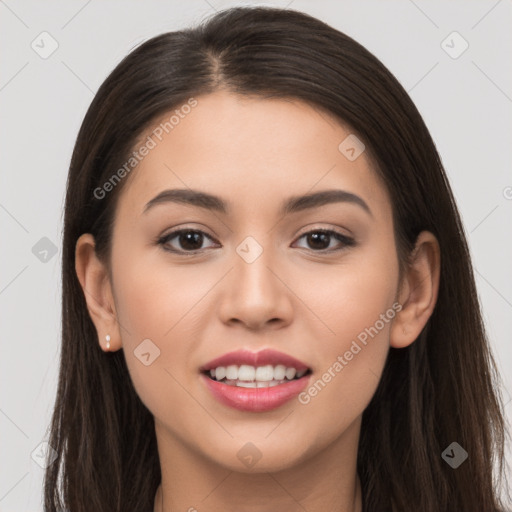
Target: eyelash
[(345, 240)]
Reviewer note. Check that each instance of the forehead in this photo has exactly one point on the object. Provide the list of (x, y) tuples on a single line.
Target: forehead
[(251, 151)]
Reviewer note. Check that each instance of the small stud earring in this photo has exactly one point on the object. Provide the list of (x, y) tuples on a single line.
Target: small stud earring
[(107, 337)]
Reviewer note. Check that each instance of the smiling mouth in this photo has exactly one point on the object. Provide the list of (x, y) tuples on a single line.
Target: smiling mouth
[(246, 376)]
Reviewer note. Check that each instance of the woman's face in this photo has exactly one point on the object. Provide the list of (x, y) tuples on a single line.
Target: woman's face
[(258, 278)]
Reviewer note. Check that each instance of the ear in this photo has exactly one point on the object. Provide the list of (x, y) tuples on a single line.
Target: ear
[(95, 282), (418, 291)]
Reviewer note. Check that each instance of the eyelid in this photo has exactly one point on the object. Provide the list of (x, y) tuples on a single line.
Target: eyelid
[(329, 228)]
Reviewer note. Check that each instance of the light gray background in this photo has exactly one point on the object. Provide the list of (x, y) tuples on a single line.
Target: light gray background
[(466, 103)]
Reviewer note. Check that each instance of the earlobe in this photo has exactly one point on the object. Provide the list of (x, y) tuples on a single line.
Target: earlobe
[(418, 292), (94, 280)]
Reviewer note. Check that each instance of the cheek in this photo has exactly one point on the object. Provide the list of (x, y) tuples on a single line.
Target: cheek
[(359, 311), (152, 297), (160, 309), (351, 297), (147, 307)]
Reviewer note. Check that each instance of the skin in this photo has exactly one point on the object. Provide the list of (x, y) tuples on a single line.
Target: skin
[(254, 153)]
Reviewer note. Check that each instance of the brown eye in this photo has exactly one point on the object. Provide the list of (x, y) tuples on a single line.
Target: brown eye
[(320, 240), (188, 240)]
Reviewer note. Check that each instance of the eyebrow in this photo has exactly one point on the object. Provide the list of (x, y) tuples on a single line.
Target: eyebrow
[(293, 204)]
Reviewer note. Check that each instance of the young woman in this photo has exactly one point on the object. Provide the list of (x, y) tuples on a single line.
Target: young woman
[(268, 300)]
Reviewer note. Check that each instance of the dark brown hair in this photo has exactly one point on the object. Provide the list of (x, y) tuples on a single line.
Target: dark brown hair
[(441, 389)]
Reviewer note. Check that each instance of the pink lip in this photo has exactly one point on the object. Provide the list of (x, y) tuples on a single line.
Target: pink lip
[(255, 399), (261, 358)]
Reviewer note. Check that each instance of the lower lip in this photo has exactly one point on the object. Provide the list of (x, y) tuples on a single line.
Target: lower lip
[(255, 399)]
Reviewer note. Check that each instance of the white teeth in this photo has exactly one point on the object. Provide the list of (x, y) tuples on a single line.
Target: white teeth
[(255, 384), (232, 372), (265, 373), (220, 372), (290, 373), (242, 384), (247, 374), (279, 372)]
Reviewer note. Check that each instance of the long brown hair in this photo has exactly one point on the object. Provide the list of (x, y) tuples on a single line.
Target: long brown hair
[(442, 388)]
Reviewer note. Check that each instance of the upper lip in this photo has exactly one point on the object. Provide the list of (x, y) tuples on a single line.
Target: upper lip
[(261, 358)]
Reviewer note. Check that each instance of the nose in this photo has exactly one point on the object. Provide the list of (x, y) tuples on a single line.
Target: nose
[(256, 294)]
